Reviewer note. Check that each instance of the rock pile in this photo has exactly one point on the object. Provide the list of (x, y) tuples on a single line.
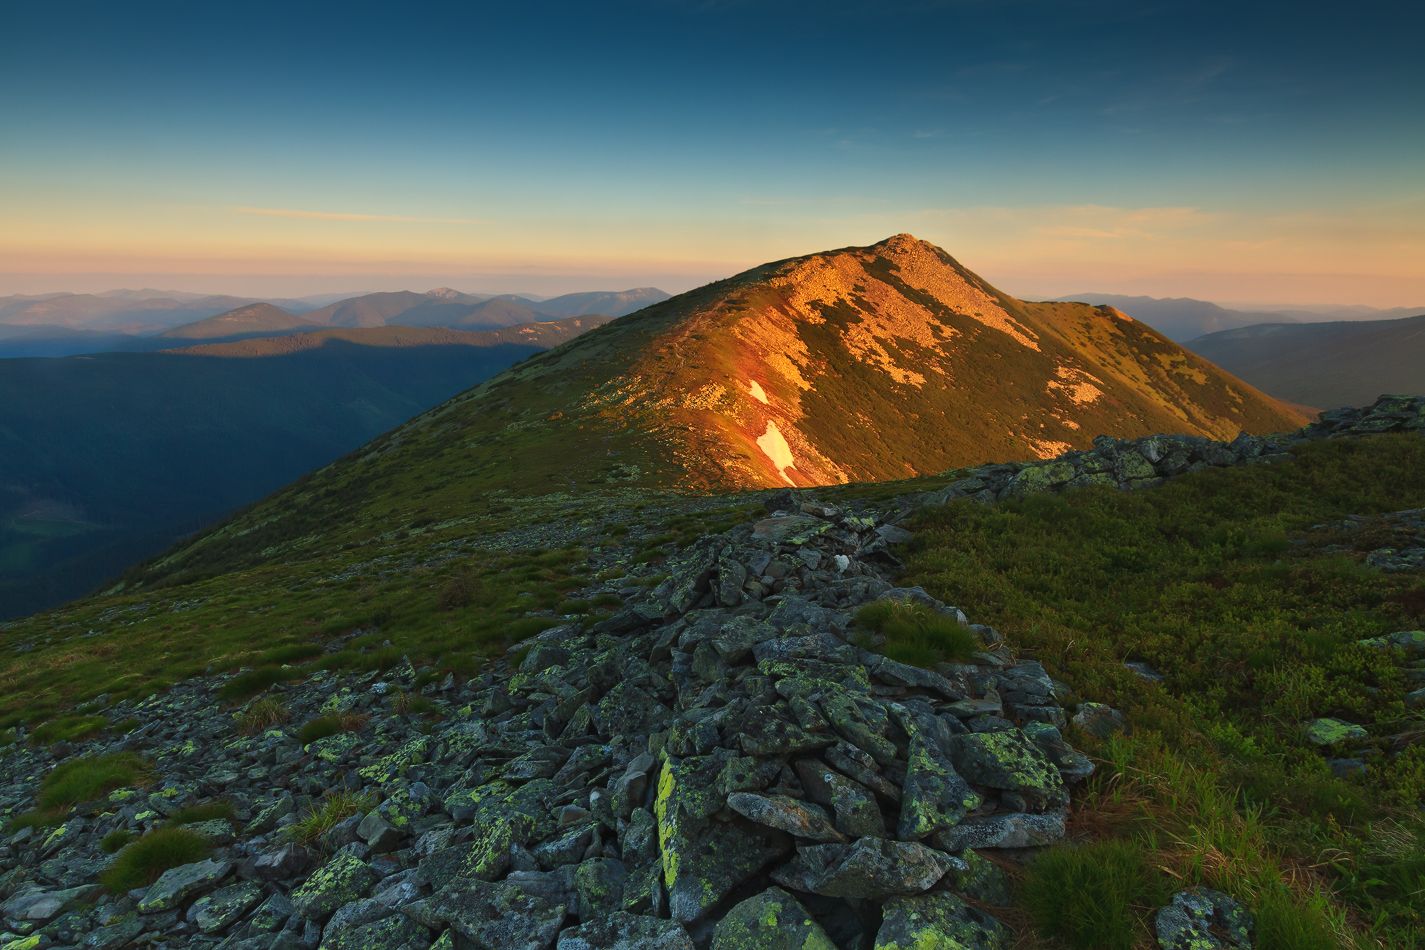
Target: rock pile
[(727, 762)]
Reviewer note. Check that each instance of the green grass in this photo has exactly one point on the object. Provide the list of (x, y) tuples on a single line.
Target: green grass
[(1095, 896), (1224, 582), (249, 683), (327, 814), (68, 729), (142, 862), (203, 811), (917, 633), (329, 725), (89, 778)]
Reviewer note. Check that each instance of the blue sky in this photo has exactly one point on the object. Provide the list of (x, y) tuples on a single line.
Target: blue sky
[(1259, 152)]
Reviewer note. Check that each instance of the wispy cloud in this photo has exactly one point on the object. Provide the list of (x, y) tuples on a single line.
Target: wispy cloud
[(350, 216)]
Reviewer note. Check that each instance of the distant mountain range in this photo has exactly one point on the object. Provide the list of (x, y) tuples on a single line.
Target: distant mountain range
[(1324, 364), (1184, 318), (129, 321), (105, 459)]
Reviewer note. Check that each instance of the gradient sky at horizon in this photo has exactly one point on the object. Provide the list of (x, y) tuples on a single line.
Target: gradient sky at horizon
[(1266, 152)]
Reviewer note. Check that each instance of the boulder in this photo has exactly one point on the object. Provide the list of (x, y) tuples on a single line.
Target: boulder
[(771, 920), (938, 920), (867, 868)]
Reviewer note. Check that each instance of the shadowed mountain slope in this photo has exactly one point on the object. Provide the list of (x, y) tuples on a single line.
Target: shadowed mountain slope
[(110, 458), (1324, 364), (862, 364)]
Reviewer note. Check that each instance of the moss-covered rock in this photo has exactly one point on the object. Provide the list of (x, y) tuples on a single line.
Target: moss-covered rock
[(938, 921), (771, 920), (341, 880)]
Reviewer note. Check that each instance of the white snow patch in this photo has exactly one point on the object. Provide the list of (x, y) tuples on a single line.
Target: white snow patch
[(775, 448), (755, 388)]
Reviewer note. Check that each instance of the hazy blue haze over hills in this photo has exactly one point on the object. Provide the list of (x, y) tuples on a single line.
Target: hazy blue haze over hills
[(1324, 364), (109, 458)]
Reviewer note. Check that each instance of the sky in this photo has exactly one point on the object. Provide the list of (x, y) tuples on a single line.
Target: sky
[(1243, 152)]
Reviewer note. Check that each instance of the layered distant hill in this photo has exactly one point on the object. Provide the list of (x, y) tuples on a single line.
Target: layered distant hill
[(1183, 318), (1324, 364), (450, 308), (871, 363), (255, 319), (107, 459), (128, 321)]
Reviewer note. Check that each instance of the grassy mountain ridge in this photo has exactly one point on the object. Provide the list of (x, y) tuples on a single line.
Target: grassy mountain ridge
[(876, 363)]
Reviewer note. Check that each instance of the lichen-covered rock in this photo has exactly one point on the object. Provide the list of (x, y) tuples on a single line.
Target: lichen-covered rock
[(784, 813), (622, 931), (178, 884), (216, 911), (941, 921), (866, 868), (854, 809), (1204, 919), (493, 914), (36, 905), (1328, 732), (771, 920), (1009, 761), (1004, 830), (340, 881), (391, 932), (702, 860), (1099, 720), (935, 797)]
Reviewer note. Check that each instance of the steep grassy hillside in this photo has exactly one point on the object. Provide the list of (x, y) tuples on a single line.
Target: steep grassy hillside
[(1324, 364)]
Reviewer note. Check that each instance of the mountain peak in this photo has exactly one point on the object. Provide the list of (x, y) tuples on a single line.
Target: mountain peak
[(444, 293)]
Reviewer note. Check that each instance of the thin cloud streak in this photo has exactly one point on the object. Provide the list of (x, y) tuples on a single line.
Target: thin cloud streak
[(351, 216)]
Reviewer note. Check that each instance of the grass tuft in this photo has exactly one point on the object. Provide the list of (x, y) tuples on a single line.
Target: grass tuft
[(142, 862), (916, 633), (330, 725), (1095, 896), (203, 811), (85, 779), (262, 714), (328, 813)]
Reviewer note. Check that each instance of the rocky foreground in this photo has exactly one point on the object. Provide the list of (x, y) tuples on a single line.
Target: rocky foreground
[(727, 762)]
